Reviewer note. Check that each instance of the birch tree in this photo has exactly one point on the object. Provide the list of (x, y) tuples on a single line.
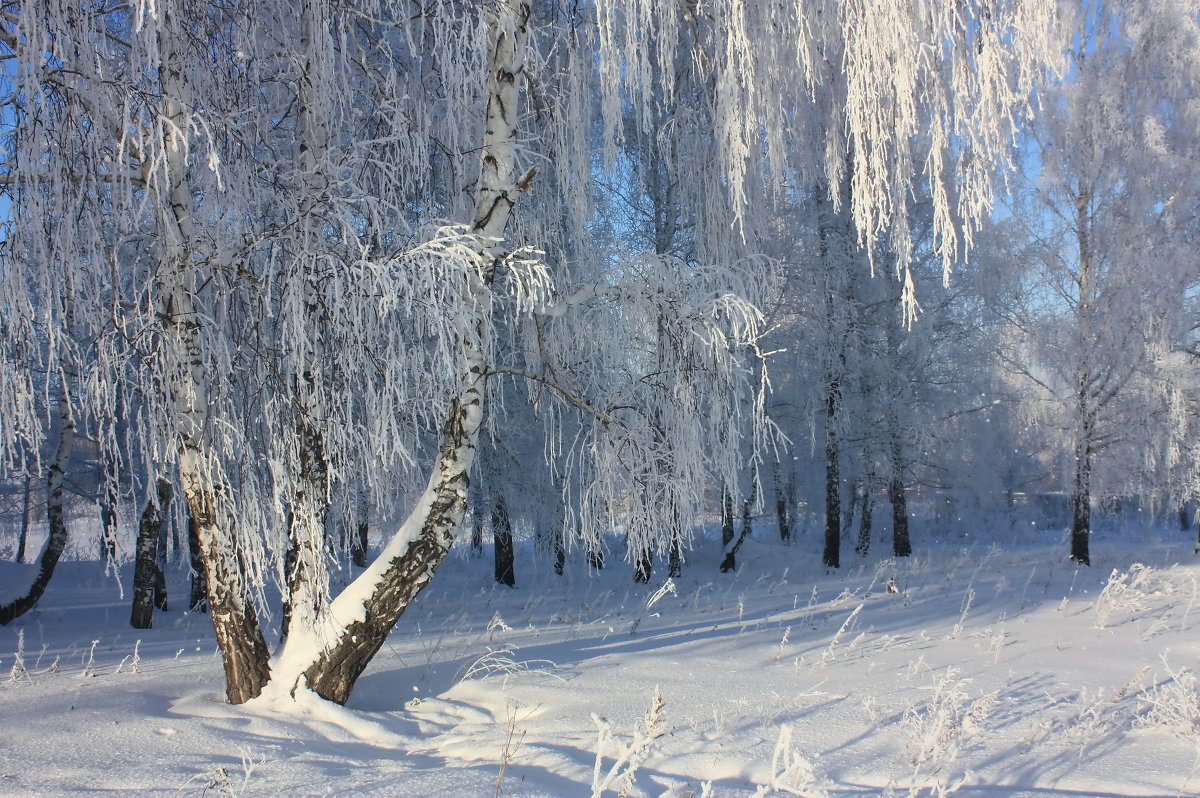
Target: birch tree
[(1110, 202)]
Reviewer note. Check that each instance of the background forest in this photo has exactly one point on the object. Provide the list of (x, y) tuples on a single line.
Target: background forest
[(296, 296)]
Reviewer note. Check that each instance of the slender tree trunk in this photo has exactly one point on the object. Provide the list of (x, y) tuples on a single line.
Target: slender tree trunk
[(25, 507), (146, 570), (643, 564), (782, 510), (901, 545), (56, 516), (560, 551), (359, 544), (863, 546), (675, 555), (595, 554), (831, 555), (198, 599), (560, 529), (852, 507), (1081, 494), (477, 534), (726, 518), (110, 492), (108, 520), (729, 562), (1081, 502), (160, 563), (502, 543)]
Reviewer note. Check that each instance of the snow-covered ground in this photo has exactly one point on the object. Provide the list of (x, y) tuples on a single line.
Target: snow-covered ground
[(994, 668)]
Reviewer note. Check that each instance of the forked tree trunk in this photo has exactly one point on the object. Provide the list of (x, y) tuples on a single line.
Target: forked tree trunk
[(502, 543), (409, 561), (146, 569), (56, 517)]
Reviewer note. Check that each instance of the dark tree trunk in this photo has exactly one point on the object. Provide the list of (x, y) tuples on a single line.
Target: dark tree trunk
[(291, 577), (675, 556), (559, 530), (560, 551), (239, 636), (726, 518), (198, 600), (108, 519), (359, 543), (782, 514), (1081, 504), (833, 525), (502, 540), (864, 521), (643, 566), (852, 507), (146, 570), (729, 561), (160, 556), (901, 546), (25, 507), (595, 554), (56, 517)]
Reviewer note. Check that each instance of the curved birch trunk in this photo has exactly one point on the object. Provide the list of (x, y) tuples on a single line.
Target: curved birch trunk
[(56, 517)]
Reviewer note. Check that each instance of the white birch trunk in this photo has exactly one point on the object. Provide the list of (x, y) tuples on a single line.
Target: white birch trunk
[(239, 637)]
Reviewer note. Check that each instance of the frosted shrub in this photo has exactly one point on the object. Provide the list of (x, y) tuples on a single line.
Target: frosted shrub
[(1124, 591), (1172, 705)]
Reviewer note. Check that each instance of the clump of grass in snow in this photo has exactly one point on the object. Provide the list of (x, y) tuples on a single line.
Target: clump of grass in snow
[(1173, 704), (791, 773), (937, 729), (1124, 591), (629, 756), (501, 661)]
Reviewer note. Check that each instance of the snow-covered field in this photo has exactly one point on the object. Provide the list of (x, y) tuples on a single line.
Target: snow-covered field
[(986, 668)]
